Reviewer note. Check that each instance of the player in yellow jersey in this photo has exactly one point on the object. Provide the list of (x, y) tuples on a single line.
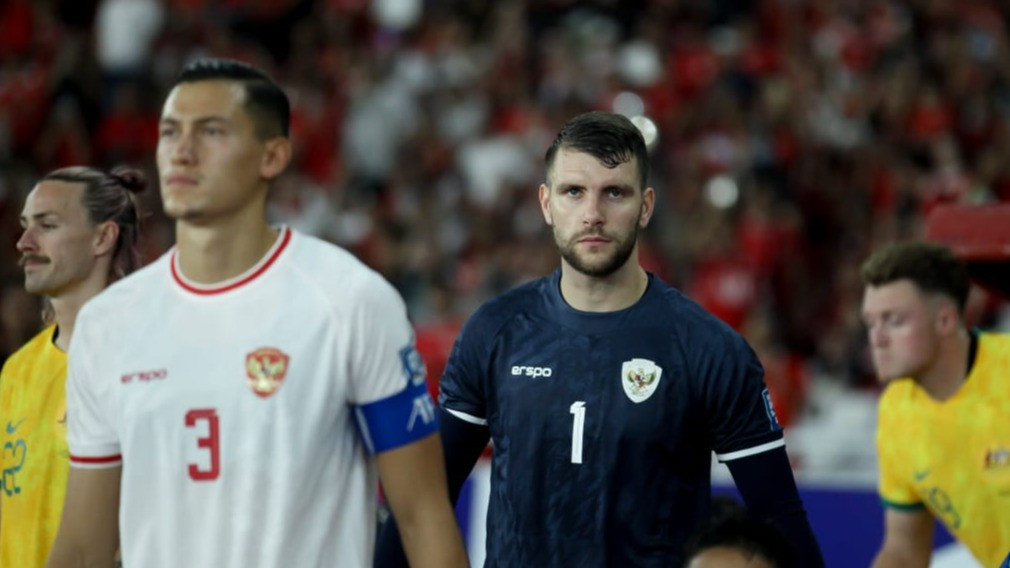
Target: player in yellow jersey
[(80, 228), (943, 435)]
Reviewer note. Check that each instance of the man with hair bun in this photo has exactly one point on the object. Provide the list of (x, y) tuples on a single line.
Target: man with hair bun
[(79, 234)]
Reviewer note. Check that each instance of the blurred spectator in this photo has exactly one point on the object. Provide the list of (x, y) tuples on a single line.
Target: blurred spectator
[(125, 31)]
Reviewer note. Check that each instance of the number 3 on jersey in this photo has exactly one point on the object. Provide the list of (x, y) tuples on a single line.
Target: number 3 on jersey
[(578, 410), (209, 442)]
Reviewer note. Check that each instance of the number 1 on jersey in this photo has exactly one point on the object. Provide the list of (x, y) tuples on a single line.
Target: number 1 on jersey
[(578, 409), (210, 442)]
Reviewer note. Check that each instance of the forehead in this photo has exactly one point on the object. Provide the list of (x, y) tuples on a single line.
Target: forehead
[(900, 295), (54, 197), (572, 167), (204, 99)]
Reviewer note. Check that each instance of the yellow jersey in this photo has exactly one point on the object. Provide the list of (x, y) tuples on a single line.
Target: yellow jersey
[(953, 457), (35, 458)]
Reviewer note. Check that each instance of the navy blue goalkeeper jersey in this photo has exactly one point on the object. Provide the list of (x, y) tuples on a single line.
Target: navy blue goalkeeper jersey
[(603, 424)]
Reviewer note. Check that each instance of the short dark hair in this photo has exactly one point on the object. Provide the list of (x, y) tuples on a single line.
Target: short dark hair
[(747, 535), (111, 196), (932, 267), (265, 102), (611, 138)]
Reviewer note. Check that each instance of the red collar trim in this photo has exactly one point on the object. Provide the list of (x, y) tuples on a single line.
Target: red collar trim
[(236, 282)]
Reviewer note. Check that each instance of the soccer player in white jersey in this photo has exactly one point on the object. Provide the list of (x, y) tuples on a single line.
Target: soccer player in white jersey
[(234, 403)]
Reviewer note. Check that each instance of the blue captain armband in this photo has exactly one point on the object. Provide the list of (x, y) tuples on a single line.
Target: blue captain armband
[(397, 420)]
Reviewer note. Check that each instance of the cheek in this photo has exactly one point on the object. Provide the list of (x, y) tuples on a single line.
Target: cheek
[(913, 342), (162, 154)]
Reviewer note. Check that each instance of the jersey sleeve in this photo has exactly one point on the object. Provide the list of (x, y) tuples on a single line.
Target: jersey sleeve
[(462, 389), (388, 377), (741, 418), (92, 436), (895, 489)]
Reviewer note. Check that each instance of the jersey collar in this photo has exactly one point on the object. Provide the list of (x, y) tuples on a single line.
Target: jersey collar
[(232, 283)]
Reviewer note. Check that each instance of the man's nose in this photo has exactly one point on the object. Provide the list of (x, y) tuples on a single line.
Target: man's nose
[(26, 242), (592, 214)]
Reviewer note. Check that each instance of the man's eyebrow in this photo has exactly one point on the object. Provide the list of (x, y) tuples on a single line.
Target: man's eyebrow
[(40, 215), (200, 120)]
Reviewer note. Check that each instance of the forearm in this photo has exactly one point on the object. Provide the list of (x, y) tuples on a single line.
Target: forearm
[(462, 444), (63, 555), (432, 539), (769, 490), (88, 536), (888, 558)]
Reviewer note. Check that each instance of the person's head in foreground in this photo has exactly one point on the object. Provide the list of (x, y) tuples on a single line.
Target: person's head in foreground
[(739, 542)]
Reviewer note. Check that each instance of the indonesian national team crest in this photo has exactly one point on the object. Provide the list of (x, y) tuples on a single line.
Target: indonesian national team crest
[(265, 369), (640, 377)]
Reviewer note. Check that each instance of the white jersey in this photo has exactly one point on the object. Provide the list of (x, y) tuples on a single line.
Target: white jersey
[(232, 408)]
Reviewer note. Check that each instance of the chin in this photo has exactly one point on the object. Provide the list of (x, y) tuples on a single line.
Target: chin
[(182, 214), (890, 375)]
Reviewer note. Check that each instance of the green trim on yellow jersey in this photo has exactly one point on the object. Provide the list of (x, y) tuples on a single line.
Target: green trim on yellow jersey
[(902, 506), (953, 456)]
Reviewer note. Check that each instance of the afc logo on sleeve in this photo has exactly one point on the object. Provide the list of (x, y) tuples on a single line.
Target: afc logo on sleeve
[(423, 409)]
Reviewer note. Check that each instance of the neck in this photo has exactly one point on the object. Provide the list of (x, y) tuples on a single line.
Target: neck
[(66, 305), (950, 368), (218, 251), (603, 294)]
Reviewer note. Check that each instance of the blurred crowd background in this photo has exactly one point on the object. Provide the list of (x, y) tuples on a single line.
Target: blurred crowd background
[(789, 138)]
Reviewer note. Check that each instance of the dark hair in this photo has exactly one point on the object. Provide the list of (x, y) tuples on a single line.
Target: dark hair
[(749, 536), (265, 102), (610, 138), (111, 196), (932, 267)]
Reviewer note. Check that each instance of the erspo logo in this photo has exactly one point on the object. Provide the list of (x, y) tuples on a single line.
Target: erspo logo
[(144, 376), (533, 372)]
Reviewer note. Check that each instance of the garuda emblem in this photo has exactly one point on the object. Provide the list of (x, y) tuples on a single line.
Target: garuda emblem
[(640, 377), (265, 369)]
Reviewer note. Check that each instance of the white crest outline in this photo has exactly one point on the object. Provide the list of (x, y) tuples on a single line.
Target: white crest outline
[(640, 377)]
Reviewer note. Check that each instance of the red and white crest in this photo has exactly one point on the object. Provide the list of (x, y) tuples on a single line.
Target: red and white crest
[(265, 369)]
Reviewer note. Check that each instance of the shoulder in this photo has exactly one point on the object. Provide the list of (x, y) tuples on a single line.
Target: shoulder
[(337, 274), (30, 351), (522, 301), (128, 293), (693, 325), (994, 345)]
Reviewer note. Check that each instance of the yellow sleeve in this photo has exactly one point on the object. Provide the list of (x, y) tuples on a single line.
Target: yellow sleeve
[(893, 451)]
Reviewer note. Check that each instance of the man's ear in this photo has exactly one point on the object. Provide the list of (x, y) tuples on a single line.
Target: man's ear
[(106, 235), (276, 157), (544, 195), (948, 319), (648, 206)]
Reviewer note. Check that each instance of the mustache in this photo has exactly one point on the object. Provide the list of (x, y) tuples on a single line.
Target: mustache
[(32, 258)]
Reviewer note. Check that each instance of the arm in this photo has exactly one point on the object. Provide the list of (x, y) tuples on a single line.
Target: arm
[(908, 539), (462, 443), (766, 483), (89, 528), (414, 482)]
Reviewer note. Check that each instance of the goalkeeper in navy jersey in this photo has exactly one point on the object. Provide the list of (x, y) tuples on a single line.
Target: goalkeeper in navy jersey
[(605, 391)]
